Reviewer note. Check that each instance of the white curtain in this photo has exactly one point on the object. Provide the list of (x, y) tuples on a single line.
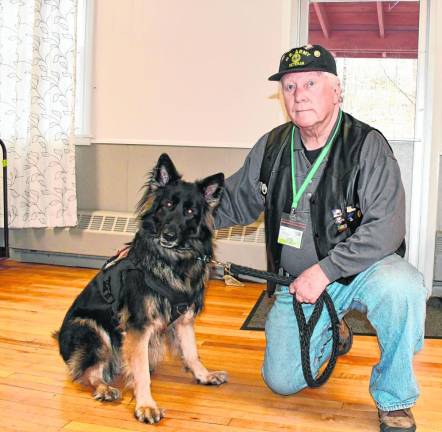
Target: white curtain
[(37, 95)]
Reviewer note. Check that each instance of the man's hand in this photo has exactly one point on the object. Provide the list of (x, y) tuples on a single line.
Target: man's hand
[(309, 285)]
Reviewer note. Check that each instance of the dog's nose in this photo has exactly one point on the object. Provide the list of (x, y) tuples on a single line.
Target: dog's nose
[(169, 233)]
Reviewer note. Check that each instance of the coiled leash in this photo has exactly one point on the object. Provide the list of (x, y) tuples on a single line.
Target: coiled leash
[(305, 327)]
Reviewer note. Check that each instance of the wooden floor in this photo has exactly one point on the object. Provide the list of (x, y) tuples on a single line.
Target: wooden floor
[(36, 395)]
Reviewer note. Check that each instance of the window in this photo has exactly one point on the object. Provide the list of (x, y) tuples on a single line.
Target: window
[(376, 47), (84, 71)]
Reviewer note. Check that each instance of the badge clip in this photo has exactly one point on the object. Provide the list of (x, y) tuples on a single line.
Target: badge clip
[(293, 214)]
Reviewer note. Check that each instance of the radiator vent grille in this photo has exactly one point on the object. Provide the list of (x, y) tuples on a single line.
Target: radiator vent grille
[(83, 221), (253, 233), (121, 225), (126, 223), (222, 234), (107, 222), (96, 222), (132, 225)]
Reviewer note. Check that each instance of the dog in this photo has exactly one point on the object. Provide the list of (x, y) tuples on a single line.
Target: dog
[(121, 321)]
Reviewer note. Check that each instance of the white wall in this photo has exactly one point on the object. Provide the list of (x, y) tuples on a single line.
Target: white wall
[(187, 72)]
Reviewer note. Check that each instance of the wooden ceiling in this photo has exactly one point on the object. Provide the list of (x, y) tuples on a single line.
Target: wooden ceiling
[(366, 29)]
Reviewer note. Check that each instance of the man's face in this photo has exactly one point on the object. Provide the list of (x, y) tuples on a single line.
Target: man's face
[(309, 97)]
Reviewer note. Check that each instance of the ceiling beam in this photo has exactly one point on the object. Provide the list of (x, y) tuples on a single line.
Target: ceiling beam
[(323, 19), (362, 44), (381, 25)]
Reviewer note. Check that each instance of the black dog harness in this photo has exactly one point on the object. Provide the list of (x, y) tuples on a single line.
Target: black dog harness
[(180, 302), (109, 283)]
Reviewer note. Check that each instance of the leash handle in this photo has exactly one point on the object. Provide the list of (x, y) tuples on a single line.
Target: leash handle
[(305, 327), (305, 334)]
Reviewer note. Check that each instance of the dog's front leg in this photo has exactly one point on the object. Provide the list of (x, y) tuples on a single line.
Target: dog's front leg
[(185, 334), (136, 353)]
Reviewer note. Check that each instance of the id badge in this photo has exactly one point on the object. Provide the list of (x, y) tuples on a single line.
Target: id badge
[(291, 229)]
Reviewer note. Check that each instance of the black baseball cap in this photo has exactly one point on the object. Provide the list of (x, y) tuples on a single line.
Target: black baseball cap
[(305, 58)]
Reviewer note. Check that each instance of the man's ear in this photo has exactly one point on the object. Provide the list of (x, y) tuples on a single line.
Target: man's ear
[(212, 188), (165, 171), (336, 95)]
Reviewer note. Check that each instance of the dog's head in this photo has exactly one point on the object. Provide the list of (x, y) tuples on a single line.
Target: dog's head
[(178, 214)]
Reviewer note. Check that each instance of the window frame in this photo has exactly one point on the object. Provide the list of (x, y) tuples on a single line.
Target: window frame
[(84, 67)]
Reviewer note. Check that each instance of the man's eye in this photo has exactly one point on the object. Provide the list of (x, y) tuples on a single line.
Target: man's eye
[(310, 83), (290, 87)]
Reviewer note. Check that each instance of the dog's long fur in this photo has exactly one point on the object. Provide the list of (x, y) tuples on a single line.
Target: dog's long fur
[(118, 324)]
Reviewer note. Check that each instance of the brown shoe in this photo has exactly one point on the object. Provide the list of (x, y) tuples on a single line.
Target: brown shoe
[(345, 338), (397, 421)]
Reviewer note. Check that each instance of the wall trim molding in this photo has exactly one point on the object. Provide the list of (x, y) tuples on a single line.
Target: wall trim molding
[(178, 143), (173, 143)]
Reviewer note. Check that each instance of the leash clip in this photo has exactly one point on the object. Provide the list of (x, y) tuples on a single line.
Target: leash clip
[(225, 266), (228, 277)]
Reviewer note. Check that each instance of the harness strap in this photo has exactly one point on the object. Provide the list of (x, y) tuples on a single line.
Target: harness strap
[(180, 302)]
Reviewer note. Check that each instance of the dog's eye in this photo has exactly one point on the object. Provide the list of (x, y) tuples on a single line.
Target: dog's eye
[(168, 204), (189, 211)]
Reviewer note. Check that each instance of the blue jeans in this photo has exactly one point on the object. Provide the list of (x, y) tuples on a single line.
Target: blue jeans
[(392, 294)]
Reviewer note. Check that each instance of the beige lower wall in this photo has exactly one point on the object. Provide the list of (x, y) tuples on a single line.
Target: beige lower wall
[(109, 176)]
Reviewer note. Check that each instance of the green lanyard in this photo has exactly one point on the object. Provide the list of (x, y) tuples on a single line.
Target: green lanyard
[(298, 194)]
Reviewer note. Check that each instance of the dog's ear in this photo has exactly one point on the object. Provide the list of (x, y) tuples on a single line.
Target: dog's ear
[(165, 171), (212, 188), (162, 174)]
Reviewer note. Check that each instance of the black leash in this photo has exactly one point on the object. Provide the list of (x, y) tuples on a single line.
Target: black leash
[(305, 327)]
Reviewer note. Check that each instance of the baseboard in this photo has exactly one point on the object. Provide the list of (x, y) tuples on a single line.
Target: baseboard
[(57, 258)]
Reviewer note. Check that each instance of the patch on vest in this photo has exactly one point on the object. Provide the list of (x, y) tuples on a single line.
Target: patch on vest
[(107, 293)]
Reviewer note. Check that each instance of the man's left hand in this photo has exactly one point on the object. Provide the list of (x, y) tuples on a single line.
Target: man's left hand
[(309, 285)]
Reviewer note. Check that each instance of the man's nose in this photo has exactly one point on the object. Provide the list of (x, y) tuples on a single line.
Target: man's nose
[(300, 94)]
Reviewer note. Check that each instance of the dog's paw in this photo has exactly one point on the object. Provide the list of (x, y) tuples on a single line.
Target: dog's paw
[(106, 393), (214, 378), (148, 414)]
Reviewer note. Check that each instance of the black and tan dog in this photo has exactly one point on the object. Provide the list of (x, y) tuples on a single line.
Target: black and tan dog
[(118, 324)]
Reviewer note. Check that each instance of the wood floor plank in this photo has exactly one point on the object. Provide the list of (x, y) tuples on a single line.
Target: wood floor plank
[(37, 395)]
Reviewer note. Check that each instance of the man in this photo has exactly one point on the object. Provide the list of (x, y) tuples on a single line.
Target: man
[(334, 208)]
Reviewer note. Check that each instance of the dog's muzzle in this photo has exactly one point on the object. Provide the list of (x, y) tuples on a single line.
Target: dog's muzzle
[(169, 237)]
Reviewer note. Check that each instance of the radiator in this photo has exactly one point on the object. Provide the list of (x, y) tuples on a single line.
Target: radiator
[(100, 233)]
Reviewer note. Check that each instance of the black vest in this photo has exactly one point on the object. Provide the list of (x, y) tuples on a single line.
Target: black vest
[(337, 189)]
